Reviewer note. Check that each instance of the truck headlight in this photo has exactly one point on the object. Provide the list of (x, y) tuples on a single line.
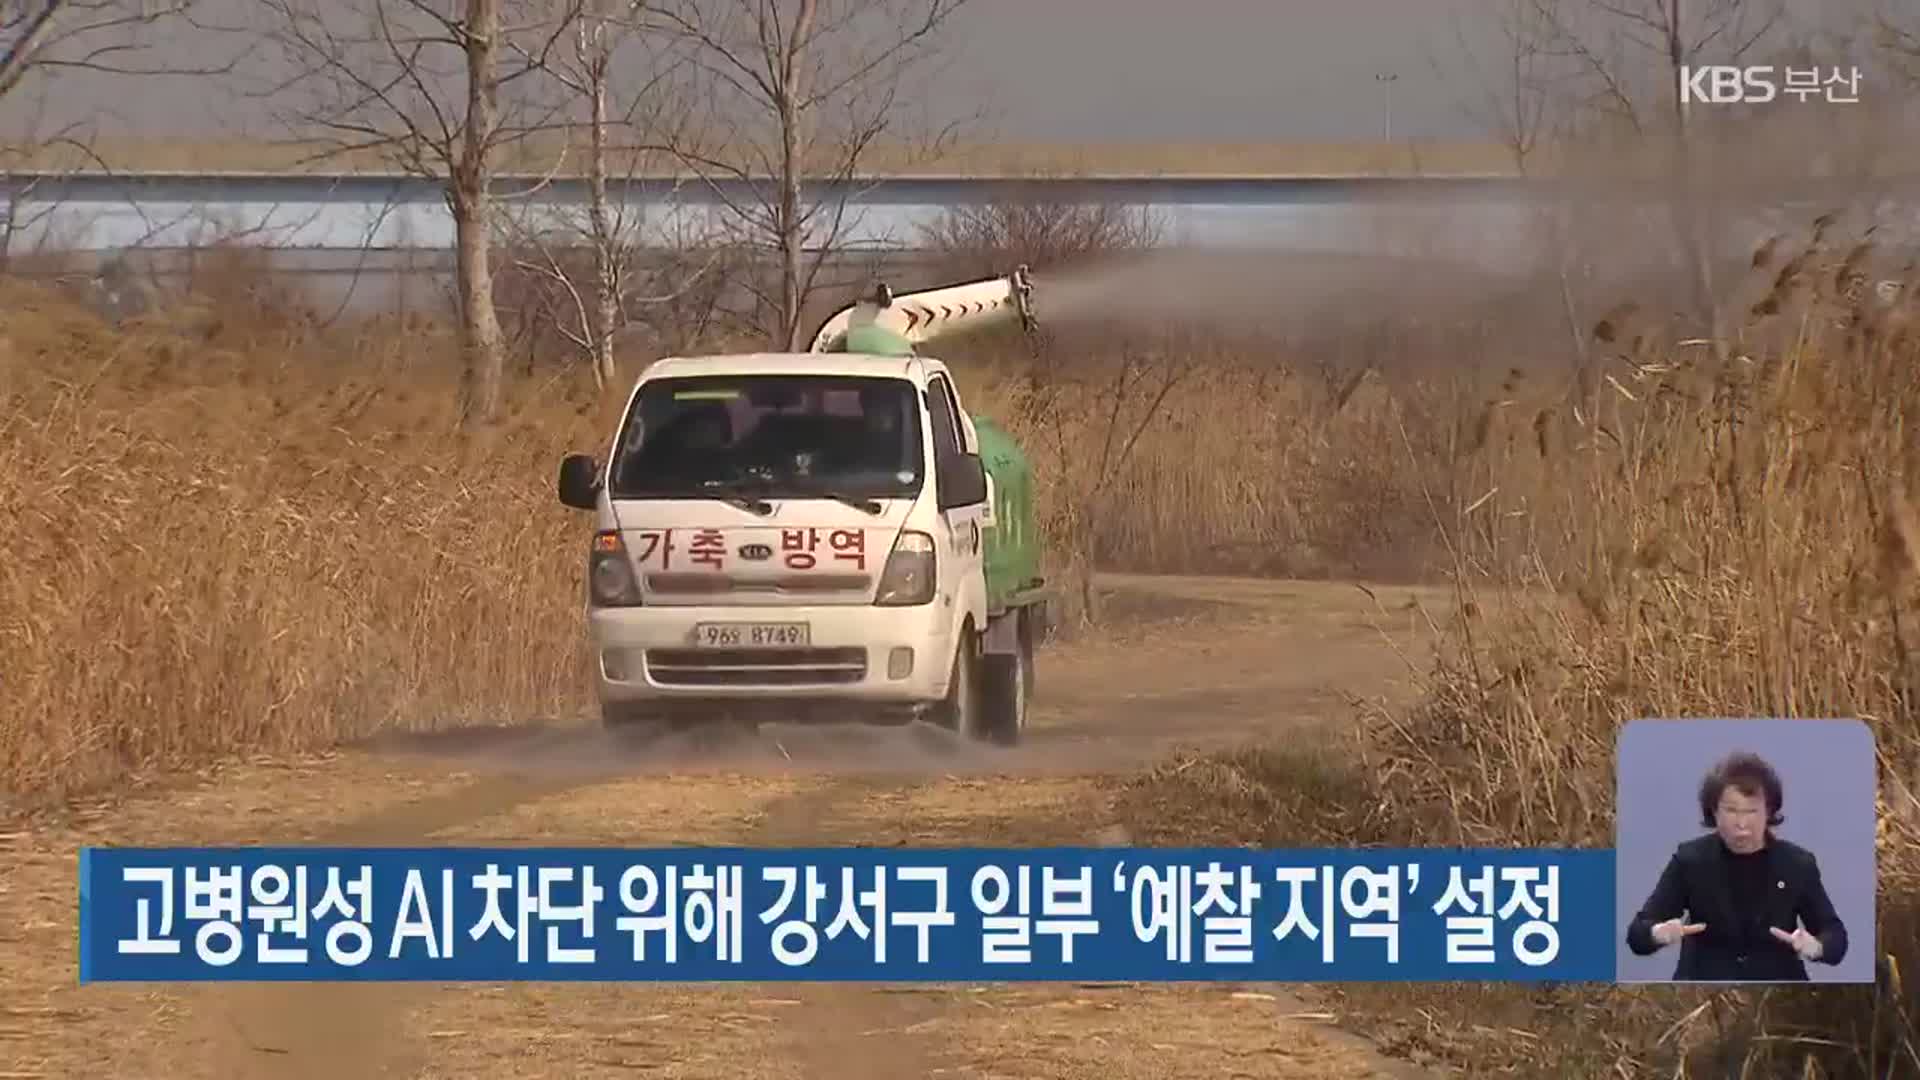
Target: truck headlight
[(610, 579), (909, 575)]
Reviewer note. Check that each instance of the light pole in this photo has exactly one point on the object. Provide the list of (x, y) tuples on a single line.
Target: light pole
[(1387, 80)]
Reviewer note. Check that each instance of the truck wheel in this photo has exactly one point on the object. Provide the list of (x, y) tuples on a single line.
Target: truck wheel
[(1004, 695), (1027, 635), (960, 710)]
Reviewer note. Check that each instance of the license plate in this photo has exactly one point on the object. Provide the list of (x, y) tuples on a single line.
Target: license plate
[(751, 635)]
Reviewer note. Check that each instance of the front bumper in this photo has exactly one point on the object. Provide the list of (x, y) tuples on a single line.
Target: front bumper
[(861, 655)]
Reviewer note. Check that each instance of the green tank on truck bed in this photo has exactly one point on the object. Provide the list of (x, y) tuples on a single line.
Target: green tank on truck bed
[(885, 326), (1012, 544), (1018, 603)]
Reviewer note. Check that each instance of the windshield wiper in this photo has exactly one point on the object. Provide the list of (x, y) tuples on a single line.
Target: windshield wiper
[(733, 496), (858, 502)]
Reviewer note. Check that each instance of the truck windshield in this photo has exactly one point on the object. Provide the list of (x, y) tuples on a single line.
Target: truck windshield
[(770, 435)]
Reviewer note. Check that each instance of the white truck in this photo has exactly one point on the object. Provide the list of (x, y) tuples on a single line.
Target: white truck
[(815, 536)]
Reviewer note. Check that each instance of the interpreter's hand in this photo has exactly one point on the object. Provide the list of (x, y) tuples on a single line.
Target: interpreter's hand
[(1666, 933), (1803, 943)]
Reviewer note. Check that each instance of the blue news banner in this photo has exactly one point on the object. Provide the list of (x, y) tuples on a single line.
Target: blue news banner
[(846, 914)]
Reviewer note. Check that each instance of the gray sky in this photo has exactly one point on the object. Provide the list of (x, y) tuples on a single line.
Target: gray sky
[(1090, 70), (1210, 70)]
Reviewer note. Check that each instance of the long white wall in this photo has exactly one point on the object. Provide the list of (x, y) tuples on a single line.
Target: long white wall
[(366, 234), (110, 213)]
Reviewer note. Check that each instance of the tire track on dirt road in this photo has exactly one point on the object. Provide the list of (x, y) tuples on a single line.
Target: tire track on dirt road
[(1183, 670), (887, 1031), (1049, 796), (349, 1029), (841, 1032)]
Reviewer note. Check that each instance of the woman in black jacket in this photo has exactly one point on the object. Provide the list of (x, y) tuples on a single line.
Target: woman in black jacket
[(1743, 904)]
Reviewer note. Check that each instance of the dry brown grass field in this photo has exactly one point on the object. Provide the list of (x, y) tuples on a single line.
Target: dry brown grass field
[(226, 531), (1719, 539)]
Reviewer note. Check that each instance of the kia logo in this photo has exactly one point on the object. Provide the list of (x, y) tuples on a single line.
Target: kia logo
[(756, 552)]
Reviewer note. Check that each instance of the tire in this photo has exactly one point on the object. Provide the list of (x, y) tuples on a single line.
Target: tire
[(1003, 695), (960, 710), (1027, 636)]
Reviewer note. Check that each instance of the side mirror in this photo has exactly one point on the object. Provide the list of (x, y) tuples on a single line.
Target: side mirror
[(579, 481), (960, 480)]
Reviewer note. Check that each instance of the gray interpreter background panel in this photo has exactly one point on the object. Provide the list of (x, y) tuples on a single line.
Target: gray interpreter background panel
[(1827, 771)]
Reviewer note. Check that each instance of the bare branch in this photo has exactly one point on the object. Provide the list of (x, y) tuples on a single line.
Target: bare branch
[(1630, 56), (805, 90), (1899, 40), (424, 85), (34, 36), (53, 34), (595, 275)]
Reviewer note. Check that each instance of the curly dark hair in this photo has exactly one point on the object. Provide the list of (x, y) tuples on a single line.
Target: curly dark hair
[(1750, 775)]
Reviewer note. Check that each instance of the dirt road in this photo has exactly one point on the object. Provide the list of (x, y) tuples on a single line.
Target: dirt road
[(1188, 662)]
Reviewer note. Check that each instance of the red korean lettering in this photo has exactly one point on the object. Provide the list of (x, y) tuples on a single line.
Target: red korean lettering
[(652, 542), (799, 544), (850, 545), (709, 546)]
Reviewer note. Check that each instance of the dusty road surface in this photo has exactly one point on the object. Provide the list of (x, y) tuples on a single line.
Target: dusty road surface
[(1187, 662)]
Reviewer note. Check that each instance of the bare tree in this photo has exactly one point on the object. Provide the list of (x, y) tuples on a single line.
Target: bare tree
[(1628, 57), (421, 86), (803, 90), (39, 158), (600, 263), (1043, 222), (1094, 396), (1631, 52), (1520, 98), (40, 39), (1525, 100), (597, 35)]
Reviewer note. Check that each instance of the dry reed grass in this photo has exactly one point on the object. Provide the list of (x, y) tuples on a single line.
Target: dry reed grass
[(1697, 540), (1247, 465), (225, 530), (223, 536)]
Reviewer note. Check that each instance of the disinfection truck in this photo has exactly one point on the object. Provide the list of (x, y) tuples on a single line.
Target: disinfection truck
[(827, 535)]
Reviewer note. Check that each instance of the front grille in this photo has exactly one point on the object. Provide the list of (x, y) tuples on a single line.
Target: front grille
[(756, 667)]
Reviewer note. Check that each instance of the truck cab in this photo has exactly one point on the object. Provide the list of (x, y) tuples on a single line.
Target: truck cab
[(797, 536)]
